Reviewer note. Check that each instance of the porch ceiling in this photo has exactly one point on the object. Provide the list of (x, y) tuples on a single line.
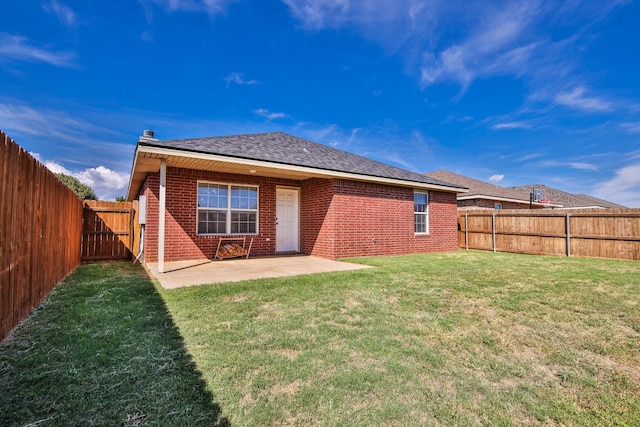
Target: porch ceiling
[(150, 163)]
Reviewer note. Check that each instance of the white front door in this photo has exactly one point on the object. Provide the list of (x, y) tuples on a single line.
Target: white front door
[(287, 220)]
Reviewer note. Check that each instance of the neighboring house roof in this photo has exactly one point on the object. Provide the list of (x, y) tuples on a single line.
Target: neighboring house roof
[(482, 190), (271, 154), (569, 200)]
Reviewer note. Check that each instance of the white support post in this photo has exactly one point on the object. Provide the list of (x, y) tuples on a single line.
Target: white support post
[(161, 213)]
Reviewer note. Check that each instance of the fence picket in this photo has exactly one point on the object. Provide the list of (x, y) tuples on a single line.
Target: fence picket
[(598, 233), (106, 233), (39, 233)]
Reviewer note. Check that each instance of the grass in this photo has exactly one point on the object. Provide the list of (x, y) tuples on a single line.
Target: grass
[(466, 338), (102, 350)]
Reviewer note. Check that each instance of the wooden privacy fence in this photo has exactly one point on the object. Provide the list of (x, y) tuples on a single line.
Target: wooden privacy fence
[(40, 229), (601, 233), (107, 230)]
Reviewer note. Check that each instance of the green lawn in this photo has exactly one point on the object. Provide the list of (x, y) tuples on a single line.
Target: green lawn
[(102, 350), (466, 338)]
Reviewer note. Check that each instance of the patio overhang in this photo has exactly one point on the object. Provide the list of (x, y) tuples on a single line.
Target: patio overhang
[(147, 159)]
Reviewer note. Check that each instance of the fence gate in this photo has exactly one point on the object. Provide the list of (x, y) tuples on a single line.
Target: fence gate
[(106, 231)]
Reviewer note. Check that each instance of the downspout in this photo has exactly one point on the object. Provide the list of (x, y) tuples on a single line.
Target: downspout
[(141, 245)]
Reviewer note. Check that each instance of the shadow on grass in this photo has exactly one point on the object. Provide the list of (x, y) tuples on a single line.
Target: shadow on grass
[(102, 349)]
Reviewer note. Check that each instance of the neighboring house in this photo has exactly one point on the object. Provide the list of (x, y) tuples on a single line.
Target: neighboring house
[(289, 195), (488, 196), (568, 200)]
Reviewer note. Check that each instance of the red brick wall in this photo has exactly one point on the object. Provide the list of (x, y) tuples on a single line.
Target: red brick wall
[(181, 240), (317, 224), (364, 212), (338, 218)]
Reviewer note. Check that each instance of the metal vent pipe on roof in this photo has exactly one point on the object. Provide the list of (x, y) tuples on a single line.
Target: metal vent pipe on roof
[(147, 133)]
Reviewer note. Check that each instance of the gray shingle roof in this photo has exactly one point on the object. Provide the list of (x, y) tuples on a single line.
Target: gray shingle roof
[(479, 188), (281, 148), (568, 200)]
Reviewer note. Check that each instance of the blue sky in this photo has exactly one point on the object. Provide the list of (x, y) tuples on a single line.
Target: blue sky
[(515, 92)]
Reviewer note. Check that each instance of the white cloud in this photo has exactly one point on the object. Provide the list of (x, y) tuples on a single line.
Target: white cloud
[(500, 44), (399, 26), (238, 78), (64, 13), (364, 14), (353, 135), (624, 188), (319, 132), (270, 115), (18, 48), (631, 127), (583, 166), (212, 7), (496, 178), (320, 13), (55, 167), (107, 183), (511, 125), (461, 42), (527, 157), (501, 37), (572, 165), (43, 122), (578, 100), (78, 138)]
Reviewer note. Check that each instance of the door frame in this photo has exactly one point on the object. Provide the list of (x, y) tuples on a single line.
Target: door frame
[(297, 190)]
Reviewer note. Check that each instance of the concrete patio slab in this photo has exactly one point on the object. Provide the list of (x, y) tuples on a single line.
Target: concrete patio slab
[(199, 272)]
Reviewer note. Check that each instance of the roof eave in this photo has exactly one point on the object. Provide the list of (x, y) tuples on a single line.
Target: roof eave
[(506, 199), (172, 152), (130, 193)]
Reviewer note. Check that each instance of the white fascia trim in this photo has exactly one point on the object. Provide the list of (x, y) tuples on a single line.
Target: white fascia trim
[(302, 169), (585, 207), (133, 169), (505, 199)]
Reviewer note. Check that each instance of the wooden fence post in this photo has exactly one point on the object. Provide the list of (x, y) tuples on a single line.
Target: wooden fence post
[(466, 230), (493, 230), (568, 235)]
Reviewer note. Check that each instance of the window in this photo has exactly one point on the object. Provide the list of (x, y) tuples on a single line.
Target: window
[(497, 206), (421, 212), (227, 209)]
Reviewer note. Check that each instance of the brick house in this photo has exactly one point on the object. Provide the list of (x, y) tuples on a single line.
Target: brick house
[(569, 200), (484, 195), (289, 195)]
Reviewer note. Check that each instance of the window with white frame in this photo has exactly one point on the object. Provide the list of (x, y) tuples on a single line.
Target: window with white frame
[(421, 212), (227, 208), (497, 206)]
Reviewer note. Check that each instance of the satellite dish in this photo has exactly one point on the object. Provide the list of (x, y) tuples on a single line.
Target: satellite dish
[(537, 194)]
